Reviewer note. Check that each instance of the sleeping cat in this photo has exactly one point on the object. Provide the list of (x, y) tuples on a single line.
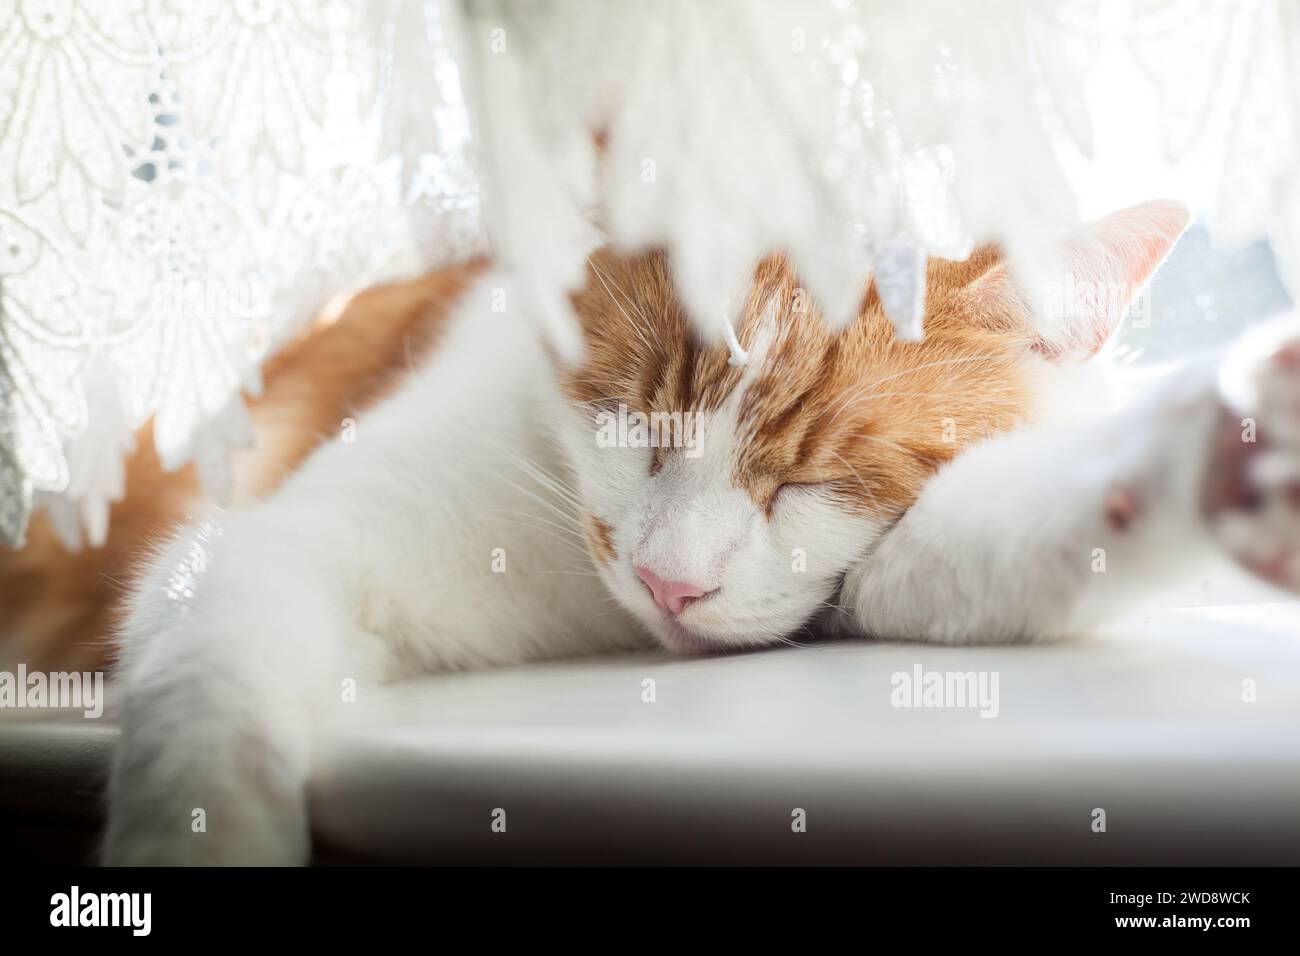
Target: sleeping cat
[(502, 506)]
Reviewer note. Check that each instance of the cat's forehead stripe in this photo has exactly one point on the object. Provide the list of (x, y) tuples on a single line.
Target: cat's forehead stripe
[(858, 409)]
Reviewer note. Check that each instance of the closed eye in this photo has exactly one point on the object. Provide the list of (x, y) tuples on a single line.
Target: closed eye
[(793, 488), (800, 486)]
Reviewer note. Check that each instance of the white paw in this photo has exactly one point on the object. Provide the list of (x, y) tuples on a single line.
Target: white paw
[(226, 795), (159, 830), (1252, 494)]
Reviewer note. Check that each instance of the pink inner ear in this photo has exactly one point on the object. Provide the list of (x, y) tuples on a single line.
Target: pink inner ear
[(1108, 263)]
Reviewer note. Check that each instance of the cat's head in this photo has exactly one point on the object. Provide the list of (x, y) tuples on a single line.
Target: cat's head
[(725, 504)]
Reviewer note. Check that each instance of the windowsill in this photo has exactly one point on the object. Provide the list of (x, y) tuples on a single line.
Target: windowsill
[(1145, 721)]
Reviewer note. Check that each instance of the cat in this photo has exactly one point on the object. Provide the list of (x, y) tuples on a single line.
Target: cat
[(501, 506)]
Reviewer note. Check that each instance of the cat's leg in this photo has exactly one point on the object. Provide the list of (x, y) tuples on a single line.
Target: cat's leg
[(1036, 533), (234, 647)]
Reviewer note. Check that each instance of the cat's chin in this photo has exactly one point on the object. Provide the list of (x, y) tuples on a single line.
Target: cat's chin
[(680, 640), (677, 639)]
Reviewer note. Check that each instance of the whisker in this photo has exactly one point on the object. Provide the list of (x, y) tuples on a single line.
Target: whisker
[(657, 346), (865, 489), (546, 531), (561, 489), (630, 321), (551, 506), (567, 529), (595, 617)]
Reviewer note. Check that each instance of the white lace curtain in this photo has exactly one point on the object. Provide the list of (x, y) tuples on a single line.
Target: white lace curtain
[(182, 184)]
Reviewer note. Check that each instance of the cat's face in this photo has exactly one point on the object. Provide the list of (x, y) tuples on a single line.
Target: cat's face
[(724, 504)]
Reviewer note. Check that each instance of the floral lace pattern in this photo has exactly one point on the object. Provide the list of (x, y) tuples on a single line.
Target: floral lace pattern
[(191, 181)]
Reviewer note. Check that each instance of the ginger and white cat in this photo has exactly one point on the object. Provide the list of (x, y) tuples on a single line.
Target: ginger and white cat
[(843, 482)]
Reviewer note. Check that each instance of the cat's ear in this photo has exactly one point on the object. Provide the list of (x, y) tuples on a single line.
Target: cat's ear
[(1104, 267)]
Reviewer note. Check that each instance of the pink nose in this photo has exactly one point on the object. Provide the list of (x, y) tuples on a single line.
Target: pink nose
[(672, 596)]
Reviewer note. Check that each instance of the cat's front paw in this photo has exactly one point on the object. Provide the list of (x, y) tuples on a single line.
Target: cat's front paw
[(1252, 492), (152, 828), (217, 790)]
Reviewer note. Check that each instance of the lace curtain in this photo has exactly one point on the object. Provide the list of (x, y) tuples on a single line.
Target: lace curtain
[(182, 184)]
